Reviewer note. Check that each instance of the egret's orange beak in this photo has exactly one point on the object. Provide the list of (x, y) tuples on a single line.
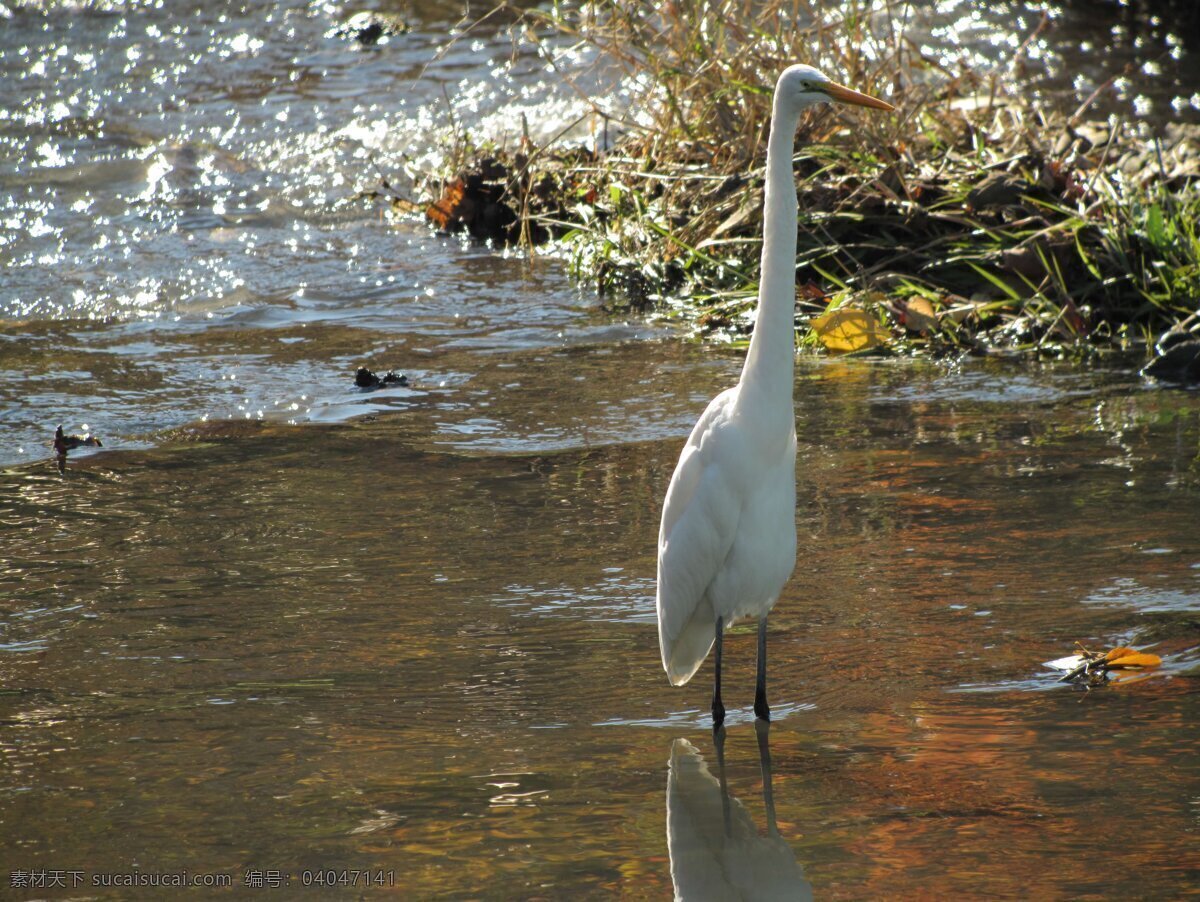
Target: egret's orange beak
[(842, 94)]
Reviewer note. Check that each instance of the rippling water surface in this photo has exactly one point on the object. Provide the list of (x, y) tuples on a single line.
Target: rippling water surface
[(179, 229), (392, 646), (280, 629)]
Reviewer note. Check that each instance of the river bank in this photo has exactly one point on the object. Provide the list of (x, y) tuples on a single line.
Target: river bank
[(982, 217)]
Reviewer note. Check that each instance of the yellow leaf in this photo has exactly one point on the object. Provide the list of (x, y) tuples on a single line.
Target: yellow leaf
[(848, 329)]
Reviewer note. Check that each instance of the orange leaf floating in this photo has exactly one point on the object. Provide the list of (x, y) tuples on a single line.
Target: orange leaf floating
[(1133, 659), (1113, 653), (1092, 667)]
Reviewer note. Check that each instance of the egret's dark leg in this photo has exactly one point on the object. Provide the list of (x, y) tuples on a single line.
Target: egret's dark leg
[(761, 710), (718, 709), (762, 729)]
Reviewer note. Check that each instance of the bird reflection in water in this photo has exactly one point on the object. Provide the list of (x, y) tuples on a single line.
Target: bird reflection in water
[(716, 850)]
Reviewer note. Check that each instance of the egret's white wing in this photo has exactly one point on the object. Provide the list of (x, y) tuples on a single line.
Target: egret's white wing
[(699, 524)]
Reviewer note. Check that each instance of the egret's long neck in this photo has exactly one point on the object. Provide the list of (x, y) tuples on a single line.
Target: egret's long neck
[(769, 365)]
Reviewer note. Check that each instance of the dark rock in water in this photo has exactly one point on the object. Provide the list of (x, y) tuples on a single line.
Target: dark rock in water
[(1178, 359), (369, 28), (64, 443), (479, 203), (497, 198), (364, 378)]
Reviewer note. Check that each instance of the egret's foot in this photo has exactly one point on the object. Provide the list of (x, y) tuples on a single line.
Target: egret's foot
[(761, 710), (718, 713)]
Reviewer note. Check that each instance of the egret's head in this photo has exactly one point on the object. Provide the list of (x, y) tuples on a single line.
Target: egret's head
[(800, 87)]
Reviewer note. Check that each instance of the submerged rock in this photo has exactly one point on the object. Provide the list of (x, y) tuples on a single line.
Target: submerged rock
[(498, 199), (64, 443), (370, 28), (1178, 359), (364, 378), (478, 202)]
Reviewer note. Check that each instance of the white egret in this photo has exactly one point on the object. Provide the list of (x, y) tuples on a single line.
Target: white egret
[(727, 543)]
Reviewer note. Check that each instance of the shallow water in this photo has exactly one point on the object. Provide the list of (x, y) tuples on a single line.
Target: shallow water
[(398, 646), (279, 625), (180, 236)]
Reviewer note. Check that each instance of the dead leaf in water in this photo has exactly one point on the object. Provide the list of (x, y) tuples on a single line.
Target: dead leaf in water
[(1113, 653), (1092, 667), (451, 207), (1134, 659)]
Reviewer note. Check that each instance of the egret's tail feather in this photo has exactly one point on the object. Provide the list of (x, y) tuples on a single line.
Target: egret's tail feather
[(683, 657)]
